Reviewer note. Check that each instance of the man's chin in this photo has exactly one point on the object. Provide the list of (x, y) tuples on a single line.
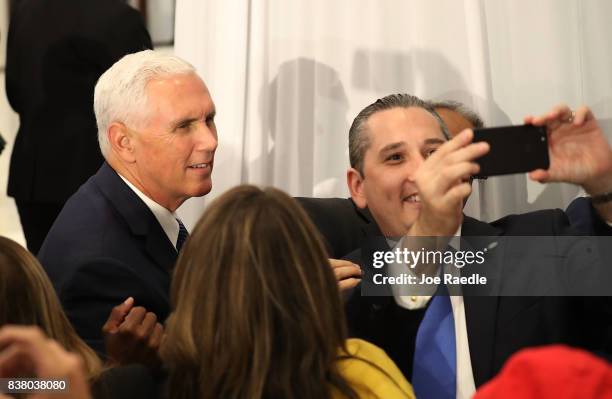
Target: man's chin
[(406, 223), (202, 190), (395, 231), (412, 205)]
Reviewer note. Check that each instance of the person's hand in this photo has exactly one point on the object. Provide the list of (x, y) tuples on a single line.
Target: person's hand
[(443, 185), (579, 151), (347, 273), (26, 352), (132, 335)]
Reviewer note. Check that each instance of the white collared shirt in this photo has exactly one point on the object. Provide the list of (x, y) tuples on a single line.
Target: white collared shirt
[(167, 220), (465, 376)]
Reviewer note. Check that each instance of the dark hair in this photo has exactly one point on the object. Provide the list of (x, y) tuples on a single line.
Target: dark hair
[(358, 139), (455, 106), (257, 310)]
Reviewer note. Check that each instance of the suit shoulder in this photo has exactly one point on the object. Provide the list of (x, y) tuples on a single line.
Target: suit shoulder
[(542, 222), (85, 211), (327, 206), (86, 228), (341, 224)]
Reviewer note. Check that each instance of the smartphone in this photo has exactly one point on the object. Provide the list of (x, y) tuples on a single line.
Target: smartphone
[(514, 149)]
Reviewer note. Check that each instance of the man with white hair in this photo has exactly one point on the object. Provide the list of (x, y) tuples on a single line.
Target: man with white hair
[(118, 236)]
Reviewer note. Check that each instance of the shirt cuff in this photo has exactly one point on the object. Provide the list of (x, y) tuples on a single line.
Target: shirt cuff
[(407, 298)]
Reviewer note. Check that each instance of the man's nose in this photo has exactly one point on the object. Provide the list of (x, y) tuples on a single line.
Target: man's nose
[(413, 165), (206, 137)]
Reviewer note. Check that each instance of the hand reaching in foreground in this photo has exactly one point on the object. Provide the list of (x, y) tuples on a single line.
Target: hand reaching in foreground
[(132, 335), (27, 352), (347, 273), (579, 151)]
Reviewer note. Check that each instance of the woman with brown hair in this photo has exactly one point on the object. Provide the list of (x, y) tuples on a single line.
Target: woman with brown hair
[(257, 311), (28, 298)]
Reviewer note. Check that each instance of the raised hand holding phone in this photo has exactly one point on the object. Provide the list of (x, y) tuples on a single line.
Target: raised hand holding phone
[(514, 149), (579, 151)]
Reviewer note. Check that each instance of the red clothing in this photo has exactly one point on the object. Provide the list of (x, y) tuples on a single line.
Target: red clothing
[(555, 371)]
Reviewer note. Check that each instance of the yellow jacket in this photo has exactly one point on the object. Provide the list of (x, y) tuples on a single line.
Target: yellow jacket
[(371, 373)]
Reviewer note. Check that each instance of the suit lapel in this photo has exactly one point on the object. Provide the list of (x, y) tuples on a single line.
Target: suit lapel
[(481, 311), (138, 216), (159, 248)]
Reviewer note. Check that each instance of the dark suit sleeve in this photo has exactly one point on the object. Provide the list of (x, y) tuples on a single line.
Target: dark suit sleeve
[(12, 67), (91, 292), (105, 42), (583, 217), (594, 313)]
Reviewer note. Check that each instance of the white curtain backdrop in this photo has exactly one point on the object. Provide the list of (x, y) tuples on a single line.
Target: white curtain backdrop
[(289, 76)]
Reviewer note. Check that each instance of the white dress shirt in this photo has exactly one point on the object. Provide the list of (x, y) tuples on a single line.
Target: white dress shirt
[(166, 219), (465, 377)]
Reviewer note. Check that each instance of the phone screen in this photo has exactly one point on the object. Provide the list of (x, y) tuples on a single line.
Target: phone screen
[(514, 149)]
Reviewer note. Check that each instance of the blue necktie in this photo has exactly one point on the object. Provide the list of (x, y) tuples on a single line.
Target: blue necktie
[(182, 236), (434, 372)]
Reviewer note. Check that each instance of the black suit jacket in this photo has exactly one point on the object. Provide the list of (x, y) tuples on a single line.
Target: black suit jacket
[(105, 246), (497, 326), (133, 381), (56, 51), (584, 218), (343, 226)]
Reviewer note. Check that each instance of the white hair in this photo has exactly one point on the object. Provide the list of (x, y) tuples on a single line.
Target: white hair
[(120, 94)]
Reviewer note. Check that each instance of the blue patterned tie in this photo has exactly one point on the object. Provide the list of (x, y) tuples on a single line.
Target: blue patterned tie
[(434, 372), (182, 236)]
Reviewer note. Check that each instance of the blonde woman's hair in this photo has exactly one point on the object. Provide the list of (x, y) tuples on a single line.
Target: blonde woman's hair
[(28, 298), (258, 312)]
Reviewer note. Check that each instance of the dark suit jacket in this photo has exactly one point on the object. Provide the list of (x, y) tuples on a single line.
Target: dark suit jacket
[(56, 51), (584, 218), (342, 224), (497, 326), (105, 246), (134, 381)]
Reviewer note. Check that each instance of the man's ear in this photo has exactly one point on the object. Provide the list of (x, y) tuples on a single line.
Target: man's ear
[(121, 141), (355, 184)]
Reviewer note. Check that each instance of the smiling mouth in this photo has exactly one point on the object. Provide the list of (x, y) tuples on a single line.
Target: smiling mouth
[(200, 166), (414, 198)]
